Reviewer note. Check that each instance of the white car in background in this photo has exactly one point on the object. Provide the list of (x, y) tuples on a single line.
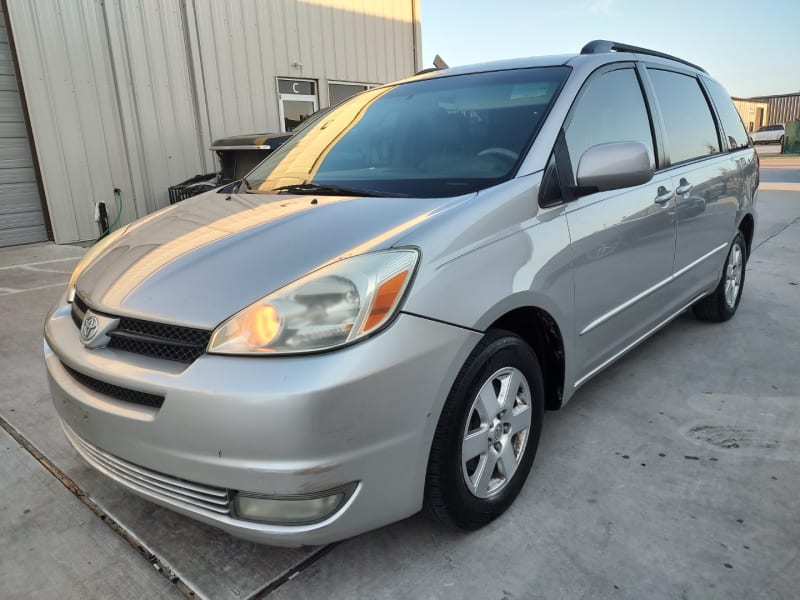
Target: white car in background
[(769, 134)]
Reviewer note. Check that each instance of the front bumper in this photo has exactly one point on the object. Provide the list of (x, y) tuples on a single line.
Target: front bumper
[(266, 425)]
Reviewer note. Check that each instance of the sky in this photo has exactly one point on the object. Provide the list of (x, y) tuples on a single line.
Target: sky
[(751, 47)]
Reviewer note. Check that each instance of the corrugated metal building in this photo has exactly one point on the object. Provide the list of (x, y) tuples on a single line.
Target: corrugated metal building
[(129, 94), (754, 114), (782, 107), (21, 213)]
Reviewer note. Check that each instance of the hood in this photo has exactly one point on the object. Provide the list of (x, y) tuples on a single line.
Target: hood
[(199, 262)]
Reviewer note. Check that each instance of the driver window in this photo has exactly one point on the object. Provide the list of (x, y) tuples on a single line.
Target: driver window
[(611, 109)]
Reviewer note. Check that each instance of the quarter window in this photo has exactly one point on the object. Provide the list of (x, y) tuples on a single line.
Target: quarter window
[(689, 127), (731, 121), (611, 109)]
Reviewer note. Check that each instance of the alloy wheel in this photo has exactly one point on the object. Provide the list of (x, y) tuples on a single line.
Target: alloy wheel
[(496, 432), (733, 275)]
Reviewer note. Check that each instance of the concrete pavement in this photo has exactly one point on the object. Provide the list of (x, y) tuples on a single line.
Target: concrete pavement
[(672, 474), (53, 546)]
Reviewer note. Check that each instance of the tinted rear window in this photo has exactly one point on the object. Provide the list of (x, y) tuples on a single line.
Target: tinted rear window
[(690, 129)]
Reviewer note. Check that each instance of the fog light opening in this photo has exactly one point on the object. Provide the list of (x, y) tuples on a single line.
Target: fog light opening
[(302, 509)]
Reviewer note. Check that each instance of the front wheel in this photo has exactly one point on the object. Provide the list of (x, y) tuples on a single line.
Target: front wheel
[(722, 303), (488, 432)]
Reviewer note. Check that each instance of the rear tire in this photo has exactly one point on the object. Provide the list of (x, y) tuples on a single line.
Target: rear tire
[(487, 434), (722, 303)]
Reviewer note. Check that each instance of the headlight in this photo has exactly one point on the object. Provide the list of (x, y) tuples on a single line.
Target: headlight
[(331, 307), (89, 257)]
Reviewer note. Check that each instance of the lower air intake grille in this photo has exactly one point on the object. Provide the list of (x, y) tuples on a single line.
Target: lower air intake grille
[(173, 490), (115, 391)]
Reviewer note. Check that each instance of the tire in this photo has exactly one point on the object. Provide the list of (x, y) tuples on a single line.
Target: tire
[(722, 303), (499, 359)]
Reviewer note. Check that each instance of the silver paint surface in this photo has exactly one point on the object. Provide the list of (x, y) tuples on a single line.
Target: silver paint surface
[(609, 268)]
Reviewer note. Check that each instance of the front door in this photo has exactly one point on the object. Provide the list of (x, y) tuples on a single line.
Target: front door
[(623, 242)]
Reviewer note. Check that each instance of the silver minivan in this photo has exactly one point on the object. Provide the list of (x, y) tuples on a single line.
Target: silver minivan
[(375, 319)]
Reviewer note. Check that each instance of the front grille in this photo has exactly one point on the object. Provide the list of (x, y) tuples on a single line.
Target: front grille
[(79, 309), (115, 391), (173, 490), (170, 342)]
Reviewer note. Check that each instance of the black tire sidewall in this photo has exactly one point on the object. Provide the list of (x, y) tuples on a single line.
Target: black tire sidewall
[(501, 349)]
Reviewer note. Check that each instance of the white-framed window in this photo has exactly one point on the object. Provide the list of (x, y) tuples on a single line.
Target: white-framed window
[(297, 100), (341, 90)]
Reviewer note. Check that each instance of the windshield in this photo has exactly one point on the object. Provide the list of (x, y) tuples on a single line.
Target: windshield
[(429, 138)]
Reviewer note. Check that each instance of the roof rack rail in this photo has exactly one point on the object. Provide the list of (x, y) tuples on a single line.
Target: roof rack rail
[(602, 46)]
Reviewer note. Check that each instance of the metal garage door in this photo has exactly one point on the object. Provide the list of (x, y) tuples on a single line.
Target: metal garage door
[(21, 218)]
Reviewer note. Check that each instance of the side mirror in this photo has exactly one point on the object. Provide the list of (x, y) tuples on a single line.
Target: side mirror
[(613, 166)]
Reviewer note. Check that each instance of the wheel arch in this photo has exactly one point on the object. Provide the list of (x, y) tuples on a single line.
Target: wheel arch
[(541, 331), (747, 226)]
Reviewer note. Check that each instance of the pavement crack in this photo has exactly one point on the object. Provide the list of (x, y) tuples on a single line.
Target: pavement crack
[(776, 234), (291, 573), (81, 495)]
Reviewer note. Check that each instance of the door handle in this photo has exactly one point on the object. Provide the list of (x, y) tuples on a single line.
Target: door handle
[(664, 195), (684, 187)]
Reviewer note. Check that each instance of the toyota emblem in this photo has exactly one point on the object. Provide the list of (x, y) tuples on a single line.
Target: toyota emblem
[(88, 328)]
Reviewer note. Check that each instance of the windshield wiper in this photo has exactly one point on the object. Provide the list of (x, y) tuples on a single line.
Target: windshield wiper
[(329, 190)]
